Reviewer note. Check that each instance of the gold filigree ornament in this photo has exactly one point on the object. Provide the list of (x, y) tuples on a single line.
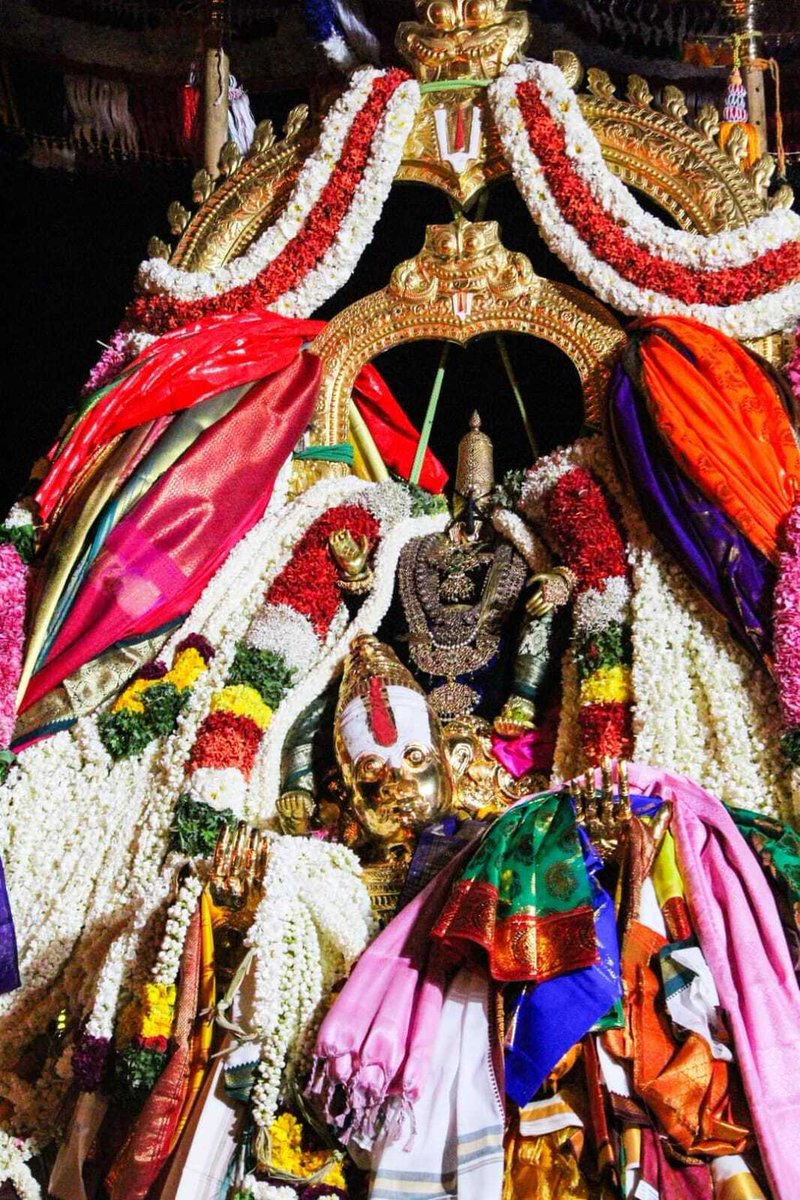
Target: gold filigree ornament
[(462, 39)]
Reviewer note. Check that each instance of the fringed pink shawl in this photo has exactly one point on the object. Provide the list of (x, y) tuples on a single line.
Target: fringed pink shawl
[(374, 1047), (740, 933)]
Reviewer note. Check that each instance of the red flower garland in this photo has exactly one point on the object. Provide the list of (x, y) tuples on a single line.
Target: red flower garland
[(308, 582), (159, 314), (605, 731), (226, 740), (584, 530), (610, 244)]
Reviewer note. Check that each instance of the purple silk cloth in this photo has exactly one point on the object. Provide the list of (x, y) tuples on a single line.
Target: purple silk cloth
[(740, 933), (9, 970), (732, 575), (159, 558)]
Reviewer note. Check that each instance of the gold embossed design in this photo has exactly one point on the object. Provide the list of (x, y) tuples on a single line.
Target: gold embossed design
[(462, 39), (523, 946), (233, 216), (463, 283)]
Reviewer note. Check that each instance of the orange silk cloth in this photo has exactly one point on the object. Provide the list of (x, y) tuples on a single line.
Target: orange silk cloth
[(684, 1087), (724, 424)]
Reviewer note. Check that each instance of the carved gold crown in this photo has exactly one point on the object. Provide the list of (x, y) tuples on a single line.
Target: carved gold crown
[(462, 39)]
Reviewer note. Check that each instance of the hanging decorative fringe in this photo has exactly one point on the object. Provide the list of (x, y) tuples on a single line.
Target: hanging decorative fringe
[(190, 112), (734, 111), (241, 122), (100, 113), (734, 108)]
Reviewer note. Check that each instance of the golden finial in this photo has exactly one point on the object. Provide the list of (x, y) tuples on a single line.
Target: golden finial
[(475, 470)]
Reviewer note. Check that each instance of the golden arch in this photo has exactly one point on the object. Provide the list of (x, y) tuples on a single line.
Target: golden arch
[(462, 284)]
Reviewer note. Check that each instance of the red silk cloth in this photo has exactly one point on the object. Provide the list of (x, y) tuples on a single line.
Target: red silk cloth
[(723, 421), (159, 558), (204, 359)]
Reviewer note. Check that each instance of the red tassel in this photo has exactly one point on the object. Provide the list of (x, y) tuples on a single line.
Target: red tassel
[(190, 115)]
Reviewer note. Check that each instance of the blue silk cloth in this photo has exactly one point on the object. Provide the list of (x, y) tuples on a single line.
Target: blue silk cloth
[(551, 1017), (9, 970), (730, 573)]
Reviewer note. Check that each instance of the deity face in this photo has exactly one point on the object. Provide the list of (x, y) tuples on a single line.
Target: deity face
[(400, 781)]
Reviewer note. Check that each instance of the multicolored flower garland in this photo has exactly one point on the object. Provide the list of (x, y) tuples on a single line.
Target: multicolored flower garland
[(745, 282), (144, 1027), (151, 703), (284, 639), (574, 513)]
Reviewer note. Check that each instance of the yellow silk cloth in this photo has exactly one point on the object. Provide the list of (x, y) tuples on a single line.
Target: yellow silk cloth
[(724, 424), (203, 1033), (544, 1168)]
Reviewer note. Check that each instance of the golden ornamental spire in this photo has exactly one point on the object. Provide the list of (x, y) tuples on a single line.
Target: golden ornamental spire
[(462, 39)]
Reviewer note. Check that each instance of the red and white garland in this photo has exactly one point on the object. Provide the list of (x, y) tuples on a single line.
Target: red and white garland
[(745, 282), (328, 221)]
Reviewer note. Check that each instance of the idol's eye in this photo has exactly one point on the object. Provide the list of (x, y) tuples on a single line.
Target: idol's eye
[(369, 768), (415, 756)]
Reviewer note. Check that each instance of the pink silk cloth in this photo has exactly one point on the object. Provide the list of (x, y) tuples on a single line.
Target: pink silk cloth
[(532, 751), (159, 558), (740, 933), (374, 1047)]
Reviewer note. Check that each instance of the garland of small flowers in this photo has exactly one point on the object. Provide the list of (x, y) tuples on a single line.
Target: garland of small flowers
[(144, 1027), (284, 639), (17, 548), (151, 703), (786, 636), (745, 283), (13, 1168), (575, 513), (312, 924)]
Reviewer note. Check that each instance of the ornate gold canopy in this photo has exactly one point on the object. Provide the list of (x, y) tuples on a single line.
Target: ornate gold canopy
[(463, 283)]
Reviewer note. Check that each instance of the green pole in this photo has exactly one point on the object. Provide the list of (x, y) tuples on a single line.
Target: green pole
[(430, 414), (512, 379)]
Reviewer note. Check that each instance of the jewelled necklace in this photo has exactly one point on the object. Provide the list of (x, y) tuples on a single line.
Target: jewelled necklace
[(450, 641)]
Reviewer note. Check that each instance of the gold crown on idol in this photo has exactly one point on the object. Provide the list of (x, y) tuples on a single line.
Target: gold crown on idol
[(475, 470)]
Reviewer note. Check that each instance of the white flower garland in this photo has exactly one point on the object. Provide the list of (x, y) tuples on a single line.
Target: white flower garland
[(355, 232), (730, 248), (179, 917), (701, 708), (14, 1169), (313, 922), (751, 318), (156, 275), (264, 785)]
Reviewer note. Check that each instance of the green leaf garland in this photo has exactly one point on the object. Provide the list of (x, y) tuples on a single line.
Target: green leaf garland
[(196, 827), (263, 670)]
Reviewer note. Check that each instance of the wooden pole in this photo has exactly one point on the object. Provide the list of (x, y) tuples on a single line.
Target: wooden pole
[(216, 81), (753, 77)]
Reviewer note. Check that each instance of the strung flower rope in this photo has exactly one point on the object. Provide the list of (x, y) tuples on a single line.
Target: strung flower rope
[(574, 513), (146, 1023), (150, 705), (13, 1168), (743, 282), (312, 924), (786, 637)]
